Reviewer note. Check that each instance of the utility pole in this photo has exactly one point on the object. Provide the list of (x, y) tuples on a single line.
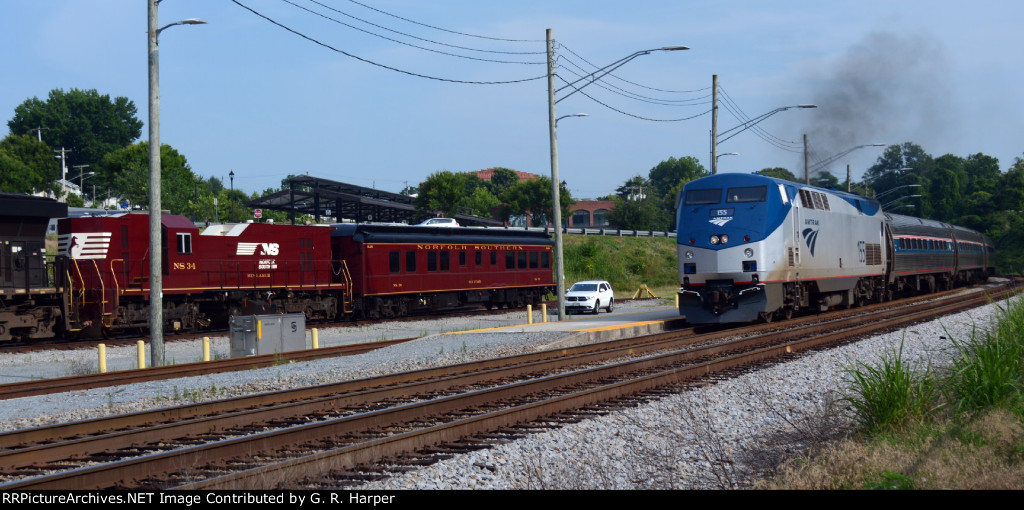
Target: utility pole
[(63, 172), (555, 188), (39, 133), (807, 164), (714, 124)]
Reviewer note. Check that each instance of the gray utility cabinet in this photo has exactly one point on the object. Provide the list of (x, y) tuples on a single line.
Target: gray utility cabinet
[(253, 335)]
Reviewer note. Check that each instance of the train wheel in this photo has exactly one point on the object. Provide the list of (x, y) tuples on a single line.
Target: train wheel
[(766, 317), (785, 313)]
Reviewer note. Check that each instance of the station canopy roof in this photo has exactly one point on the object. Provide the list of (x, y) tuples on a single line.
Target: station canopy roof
[(324, 198)]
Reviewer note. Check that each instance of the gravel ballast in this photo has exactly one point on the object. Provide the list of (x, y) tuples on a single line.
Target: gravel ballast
[(702, 438)]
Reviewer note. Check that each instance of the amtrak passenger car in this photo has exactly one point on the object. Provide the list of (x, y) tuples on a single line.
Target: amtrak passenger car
[(755, 247)]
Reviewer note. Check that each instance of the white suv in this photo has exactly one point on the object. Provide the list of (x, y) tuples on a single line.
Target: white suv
[(438, 222), (590, 296)]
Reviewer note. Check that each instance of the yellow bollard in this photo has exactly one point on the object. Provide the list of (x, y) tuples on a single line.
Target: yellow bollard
[(206, 348), (529, 314), (316, 338), (677, 300), (544, 312), (142, 353), (103, 358)]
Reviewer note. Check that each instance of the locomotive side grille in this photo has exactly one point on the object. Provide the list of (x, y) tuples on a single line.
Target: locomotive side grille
[(794, 256), (874, 254)]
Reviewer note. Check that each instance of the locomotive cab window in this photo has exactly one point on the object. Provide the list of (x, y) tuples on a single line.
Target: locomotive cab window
[(703, 196), (184, 243), (746, 194)]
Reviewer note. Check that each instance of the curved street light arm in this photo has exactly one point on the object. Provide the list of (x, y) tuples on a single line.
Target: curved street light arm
[(897, 188), (832, 159), (750, 123), (604, 71)]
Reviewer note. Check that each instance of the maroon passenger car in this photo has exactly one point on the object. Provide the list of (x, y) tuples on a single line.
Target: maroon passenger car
[(401, 269)]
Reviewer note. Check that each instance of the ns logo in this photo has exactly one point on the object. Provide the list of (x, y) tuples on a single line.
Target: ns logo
[(271, 249)]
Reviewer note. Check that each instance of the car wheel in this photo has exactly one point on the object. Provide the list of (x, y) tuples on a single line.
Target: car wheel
[(597, 307), (611, 305)]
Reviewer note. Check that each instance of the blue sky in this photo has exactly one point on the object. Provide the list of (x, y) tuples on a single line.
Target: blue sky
[(241, 94)]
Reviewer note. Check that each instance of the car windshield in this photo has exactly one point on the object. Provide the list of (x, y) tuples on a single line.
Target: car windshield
[(583, 287)]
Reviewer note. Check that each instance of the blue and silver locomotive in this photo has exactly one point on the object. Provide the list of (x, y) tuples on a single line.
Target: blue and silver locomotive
[(754, 247)]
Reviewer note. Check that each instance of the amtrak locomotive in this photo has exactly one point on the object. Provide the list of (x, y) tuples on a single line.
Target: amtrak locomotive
[(754, 247)]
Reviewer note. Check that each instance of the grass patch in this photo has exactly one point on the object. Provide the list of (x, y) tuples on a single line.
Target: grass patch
[(917, 430), (626, 262), (891, 395)]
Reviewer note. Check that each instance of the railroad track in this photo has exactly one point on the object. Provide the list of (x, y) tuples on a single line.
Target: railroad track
[(131, 339), (299, 435), (102, 380)]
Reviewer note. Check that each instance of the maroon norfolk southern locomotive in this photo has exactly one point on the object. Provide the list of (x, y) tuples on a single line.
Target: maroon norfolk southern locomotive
[(224, 270), (325, 272)]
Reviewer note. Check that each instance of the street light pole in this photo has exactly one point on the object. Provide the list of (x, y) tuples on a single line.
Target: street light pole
[(232, 197), (156, 319), (556, 202)]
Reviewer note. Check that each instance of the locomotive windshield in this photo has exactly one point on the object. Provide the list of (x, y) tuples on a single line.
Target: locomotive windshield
[(703, 196), (746, 194)]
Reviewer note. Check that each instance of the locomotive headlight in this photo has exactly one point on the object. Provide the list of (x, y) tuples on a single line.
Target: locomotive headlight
[(714, 239), (725, 238), (748, 252), (688, 254)]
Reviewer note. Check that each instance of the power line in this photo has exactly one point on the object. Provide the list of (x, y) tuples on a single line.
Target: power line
[(446, 30), (413, 36), (736, 111), (592, 98), (632, 95), (371, 62)]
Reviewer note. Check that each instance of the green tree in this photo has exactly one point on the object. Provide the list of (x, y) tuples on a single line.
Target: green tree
[(635, 188), (779, 173), (501, 180), (87, 123), (127, 169), (441, 193), (533, 198), (639, 214), (946, 187), (826, 180), (669, 173), (649, 204), (27, 166)]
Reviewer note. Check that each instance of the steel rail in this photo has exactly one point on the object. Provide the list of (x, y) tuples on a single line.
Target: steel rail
[(349, 458), (402, 414), (102, 380)]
